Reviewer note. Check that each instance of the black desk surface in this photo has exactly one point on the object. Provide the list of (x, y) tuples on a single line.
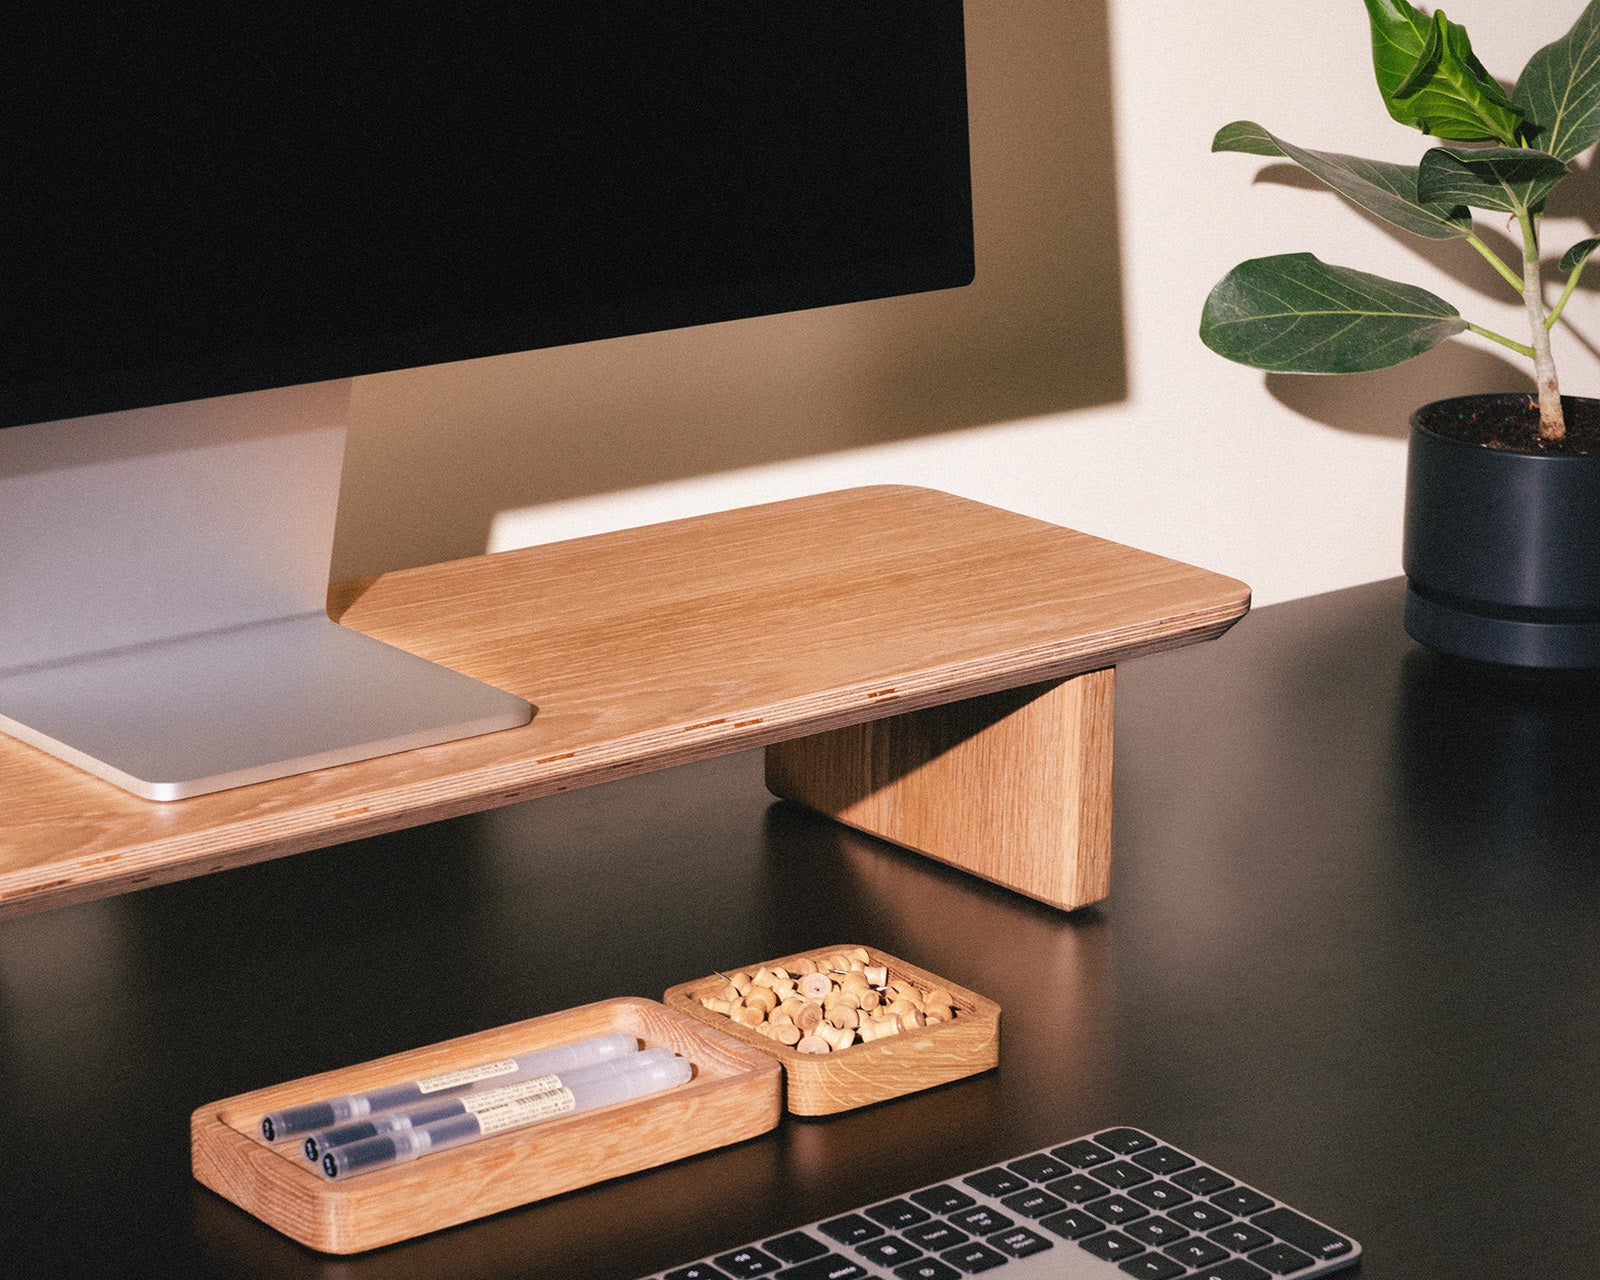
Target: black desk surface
[(1352, 954)]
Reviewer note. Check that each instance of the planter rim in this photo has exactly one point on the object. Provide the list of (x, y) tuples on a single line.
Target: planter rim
[(1551, 459)]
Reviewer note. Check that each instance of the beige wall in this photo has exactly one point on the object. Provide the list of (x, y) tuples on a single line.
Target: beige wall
[(1067, 383)]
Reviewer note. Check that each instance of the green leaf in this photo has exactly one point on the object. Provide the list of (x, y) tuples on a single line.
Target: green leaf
[(1559, 89), (1431, 80), (1296, 314), (1576, 256), (1388, 190), (1509, 179)]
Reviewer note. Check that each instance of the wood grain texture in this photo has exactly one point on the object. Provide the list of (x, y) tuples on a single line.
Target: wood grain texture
[(825, 1084), (644, 649), (735, 1094), (1014, 787)]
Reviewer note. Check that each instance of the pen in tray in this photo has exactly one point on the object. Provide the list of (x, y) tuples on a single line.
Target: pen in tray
[(513, 1106), (312, 1116)]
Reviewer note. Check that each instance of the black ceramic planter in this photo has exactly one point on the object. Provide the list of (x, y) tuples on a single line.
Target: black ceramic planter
[(1502, 549)]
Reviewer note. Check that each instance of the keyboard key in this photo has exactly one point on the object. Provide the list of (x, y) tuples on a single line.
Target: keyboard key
[(1241, 1237), (1125, 1141), (942, 1199), (1120, 1175), (1300, 1231), (1242, 1201), (1082, 1154), (1155, 1231), (1163, 1160), (1152, 1266), (1020, 1242), (1076, 1188), (797, 1246), (975, 1257), (1160, 1195), (1040, 1168), (981, 1221), (1113, 1246), (1281, 1259), (896, 1214), (828, 1267), (1116, 1209), (852, 1228), (697, 1271), (1232, 1269), (1035, 1202), (1202, 1181), (1195, 1252), (747, 1262), (1199, 1216), (927, 1269), (889, 1251), (936, 1236), (1073, 1224), (996, 1182)]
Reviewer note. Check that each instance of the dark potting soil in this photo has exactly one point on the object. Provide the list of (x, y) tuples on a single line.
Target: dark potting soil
[(1512, 422)]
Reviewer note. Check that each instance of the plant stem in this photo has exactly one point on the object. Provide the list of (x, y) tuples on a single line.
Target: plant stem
[(1521, 348), (1561, 302), (1495, 261), (1552, 424)]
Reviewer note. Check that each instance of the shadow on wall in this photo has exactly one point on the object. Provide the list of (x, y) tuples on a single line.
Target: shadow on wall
[(434, 454), (1380, 403)]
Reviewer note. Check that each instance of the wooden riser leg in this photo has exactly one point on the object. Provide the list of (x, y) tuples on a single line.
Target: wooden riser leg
[(1014, 787)]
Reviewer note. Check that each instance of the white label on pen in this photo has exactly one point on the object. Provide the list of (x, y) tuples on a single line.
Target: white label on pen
[(482, 1099), (467, 1075), (513, 1113)]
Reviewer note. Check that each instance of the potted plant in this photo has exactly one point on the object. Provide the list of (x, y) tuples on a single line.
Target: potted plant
[(1502, 527)]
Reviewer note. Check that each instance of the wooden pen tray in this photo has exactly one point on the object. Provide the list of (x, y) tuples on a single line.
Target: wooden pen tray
[(735, 1093), (864, 1073)]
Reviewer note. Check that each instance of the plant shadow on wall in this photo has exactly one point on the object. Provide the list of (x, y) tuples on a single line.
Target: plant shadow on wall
[(1039, 331)]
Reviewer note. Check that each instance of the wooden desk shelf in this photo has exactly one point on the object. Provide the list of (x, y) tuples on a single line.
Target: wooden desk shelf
[(924, 667)]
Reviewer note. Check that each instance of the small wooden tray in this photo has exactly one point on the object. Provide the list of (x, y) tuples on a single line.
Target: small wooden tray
[(822, 1084), (735, 1094)]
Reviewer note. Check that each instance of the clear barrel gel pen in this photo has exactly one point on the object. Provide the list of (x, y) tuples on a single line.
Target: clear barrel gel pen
[(293, 1121), (580, 1090), (425, 1113)]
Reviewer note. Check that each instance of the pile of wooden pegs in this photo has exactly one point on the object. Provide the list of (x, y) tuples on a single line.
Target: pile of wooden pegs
[(826, 1003)]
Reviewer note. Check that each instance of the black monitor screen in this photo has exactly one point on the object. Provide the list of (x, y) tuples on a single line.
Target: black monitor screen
[(193, 210)]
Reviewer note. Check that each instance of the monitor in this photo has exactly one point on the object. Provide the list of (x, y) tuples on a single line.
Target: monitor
[(208, 229)]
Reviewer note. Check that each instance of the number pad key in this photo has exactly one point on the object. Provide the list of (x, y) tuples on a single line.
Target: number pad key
[(1033, 1203), (1116, 1209), (1121, 1174), (1199, 1216), (1160, 1195), (1241, 1237)]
